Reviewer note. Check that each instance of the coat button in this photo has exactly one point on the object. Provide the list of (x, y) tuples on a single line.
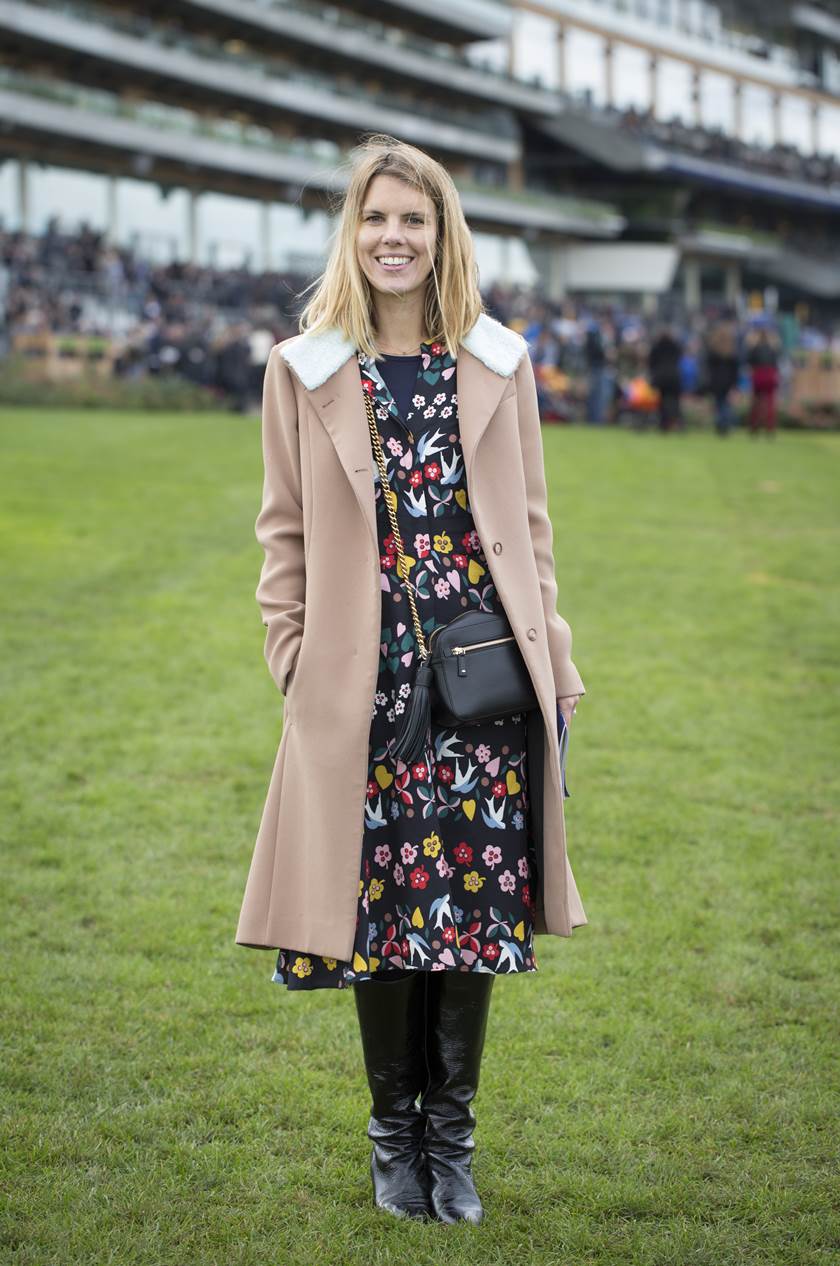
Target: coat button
[(532, 633), (497, 547)]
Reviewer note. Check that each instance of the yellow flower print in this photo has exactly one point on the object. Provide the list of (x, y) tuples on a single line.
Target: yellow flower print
[(376, 889), (432, 844), (473, 881), (302, 967), (442, 543), (329, 963), (409, 563), (361, 886)]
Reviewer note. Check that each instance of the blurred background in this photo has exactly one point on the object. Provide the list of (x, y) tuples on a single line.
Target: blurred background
[(632, 170)]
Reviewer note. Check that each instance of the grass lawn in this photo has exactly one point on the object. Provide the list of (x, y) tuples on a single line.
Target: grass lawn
[(663, 1089)]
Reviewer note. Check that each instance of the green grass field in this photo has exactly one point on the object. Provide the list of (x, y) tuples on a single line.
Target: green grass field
[(663, 1090)]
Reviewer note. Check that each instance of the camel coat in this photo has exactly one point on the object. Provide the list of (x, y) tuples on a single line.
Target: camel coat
[(323, 622)]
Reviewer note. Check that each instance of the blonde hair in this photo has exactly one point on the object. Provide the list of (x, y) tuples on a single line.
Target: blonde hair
[(343, 296)]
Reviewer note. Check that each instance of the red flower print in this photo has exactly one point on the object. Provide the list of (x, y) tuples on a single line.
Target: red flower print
[(490, 950), (391, 944), (469, 541), (415, 478), (468, 940), (448, 935), (419, 877), (372, 788), (437, 348), (387, 561), (404, 944), (526, 894), (463, 853), (460, 560), (444, 773), (420, 770), (390, 544), (499, 788), (367, 386), (432, 470), (401, 783)]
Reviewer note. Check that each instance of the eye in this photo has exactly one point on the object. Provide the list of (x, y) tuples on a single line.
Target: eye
[(413, 219)]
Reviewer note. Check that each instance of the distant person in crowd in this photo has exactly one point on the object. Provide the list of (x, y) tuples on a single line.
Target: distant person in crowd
[(664, 368), (597, 374), (234, 364), (690, 368), (199, 357), (538, 316), (544, 353), (763, 361), (722, 370), (544, 350)]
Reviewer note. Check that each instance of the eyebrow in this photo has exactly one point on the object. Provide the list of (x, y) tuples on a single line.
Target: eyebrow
[(376, 211)]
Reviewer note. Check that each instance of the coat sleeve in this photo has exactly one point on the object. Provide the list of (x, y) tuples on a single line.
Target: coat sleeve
[(281, 592), (567, 680)]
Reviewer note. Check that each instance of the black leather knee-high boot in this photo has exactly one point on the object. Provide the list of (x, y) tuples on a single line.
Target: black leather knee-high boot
[(458, 1004), (392, 1024)]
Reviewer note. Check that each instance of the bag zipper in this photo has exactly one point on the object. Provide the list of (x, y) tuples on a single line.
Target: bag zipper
[(475, 646)]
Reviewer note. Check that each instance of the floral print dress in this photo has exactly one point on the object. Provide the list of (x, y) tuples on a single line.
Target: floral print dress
[(448, 876)]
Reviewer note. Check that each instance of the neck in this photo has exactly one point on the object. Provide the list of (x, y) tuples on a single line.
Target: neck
[(399, 322)]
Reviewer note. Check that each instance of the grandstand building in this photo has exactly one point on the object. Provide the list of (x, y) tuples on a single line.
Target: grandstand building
[(647, 148)]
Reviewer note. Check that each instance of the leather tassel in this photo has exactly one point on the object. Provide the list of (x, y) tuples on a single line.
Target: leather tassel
[(417, 716)]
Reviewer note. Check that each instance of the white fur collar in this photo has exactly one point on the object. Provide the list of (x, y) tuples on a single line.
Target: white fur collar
[(316, 356)]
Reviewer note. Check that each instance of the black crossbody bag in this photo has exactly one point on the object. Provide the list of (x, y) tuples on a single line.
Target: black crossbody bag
[(472, 669)]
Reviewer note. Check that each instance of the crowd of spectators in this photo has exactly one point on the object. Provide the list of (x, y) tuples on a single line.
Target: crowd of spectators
[(628, 367), (718, 146), (215, 328), (212, 326)]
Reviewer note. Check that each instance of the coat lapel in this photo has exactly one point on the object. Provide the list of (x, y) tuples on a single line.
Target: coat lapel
[(479, 391), (340, 404), (327, 365)]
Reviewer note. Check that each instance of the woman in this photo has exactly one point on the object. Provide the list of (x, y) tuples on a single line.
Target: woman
[(722, 370), (417, 884), (666, 377), (764, 370)]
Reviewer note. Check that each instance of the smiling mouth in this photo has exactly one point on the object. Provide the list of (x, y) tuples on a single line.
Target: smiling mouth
[(394, 263)]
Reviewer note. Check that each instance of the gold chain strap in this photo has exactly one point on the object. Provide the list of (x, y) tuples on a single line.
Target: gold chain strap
[(391, 506)]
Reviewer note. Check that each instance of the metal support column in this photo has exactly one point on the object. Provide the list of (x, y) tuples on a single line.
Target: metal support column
[(23, 194), (692, 286), (192, 226)]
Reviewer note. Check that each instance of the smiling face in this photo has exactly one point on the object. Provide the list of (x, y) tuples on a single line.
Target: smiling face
[(395, 240)]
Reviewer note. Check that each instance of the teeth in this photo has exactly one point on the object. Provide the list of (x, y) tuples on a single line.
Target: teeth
[(394, 259)]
